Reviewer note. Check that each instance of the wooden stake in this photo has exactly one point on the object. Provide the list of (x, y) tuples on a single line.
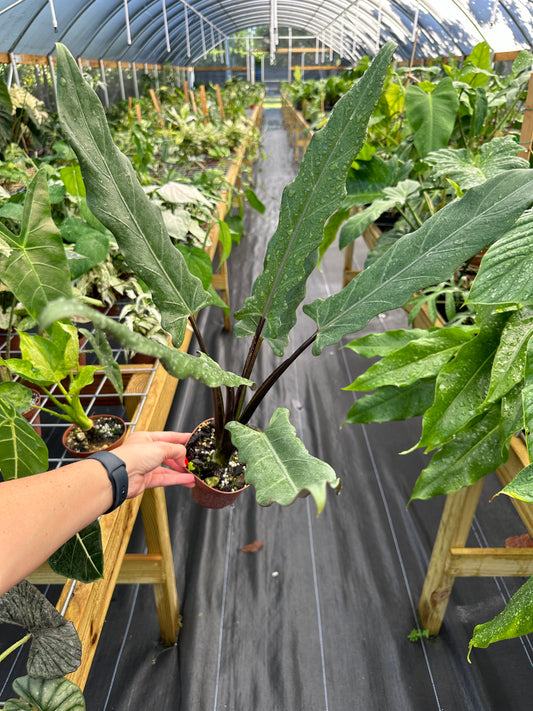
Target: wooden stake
[(186, 91), (138, 112), (220, 103), (155, 102), (203, 102), (526, 134)]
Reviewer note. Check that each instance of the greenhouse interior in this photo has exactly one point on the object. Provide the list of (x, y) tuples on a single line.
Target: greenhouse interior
[(266, 307)]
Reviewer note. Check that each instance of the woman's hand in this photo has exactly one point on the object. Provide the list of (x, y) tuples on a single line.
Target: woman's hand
[(148, 455)]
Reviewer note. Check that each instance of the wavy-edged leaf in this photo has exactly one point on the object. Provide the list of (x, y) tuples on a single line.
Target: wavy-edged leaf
[(175, 362), (46, 695), (421, 358), (510, 359), (278, 465), (474, 452), (22, 451), (36, 271), (425, 257), (462, 385), (468, 168), (315, 194), (506, 271), (82, 556), (515, 620), (431, 115), (393, 403), (55, 646), (117, 199)]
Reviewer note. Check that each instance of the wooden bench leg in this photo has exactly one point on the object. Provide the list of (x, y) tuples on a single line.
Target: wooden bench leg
[(156, 529), (454, 528)]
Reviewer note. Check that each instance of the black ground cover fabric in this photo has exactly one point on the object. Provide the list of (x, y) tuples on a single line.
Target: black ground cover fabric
[(318, 619)]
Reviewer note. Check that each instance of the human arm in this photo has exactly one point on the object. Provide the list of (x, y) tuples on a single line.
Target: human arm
[(39, 513)]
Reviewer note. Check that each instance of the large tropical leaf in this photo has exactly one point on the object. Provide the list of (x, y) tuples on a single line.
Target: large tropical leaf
[(468, 168), (177, 363), (278, 465), (431, 114), (515, 620), (117, 199), (381, 344), (81, 557), (46, 695), (36, 270), (506, 271), (425, 257), (55, 646), (22, 451), (306, 204)]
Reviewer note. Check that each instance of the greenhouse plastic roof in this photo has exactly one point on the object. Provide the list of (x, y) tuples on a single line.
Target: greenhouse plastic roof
[(180, 32)]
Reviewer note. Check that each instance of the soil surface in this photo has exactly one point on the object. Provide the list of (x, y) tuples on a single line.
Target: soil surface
[(107, 430), (200, 450)]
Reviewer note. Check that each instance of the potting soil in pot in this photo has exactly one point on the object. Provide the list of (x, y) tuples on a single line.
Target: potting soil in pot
[(105, 432), (200, 450)]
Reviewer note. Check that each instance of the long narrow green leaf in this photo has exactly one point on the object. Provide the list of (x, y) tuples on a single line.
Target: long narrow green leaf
[(421, 358), (510, 359), (506, 272), (117, 199), (462, 386), (306, 204), (278, 464), (515, 620), (425, 257), (473, 453), (393, 403), (177, 363), (381, 344), (37, 270)]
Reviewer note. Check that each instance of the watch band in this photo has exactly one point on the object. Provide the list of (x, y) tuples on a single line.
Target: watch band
[(118, 476)]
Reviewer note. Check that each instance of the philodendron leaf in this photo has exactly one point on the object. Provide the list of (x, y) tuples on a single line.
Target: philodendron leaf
[(278, 464), (431, 115), (55, 646), (394, 197), (316, 193), (424, 257), (475, 451), (36, 271), (462, 385), (46, 695), (506, 272), (515, 620), (421, 358), (510, 359), (527, 398), (22, 451), (177, 363), (468, 169), (117, 199), (393, 403), (81, 557)]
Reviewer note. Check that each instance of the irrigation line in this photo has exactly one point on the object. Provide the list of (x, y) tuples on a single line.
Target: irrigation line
[(223, 606)]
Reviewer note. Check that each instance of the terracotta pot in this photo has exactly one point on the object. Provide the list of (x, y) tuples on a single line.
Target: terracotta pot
[(33, 416), (209, 497), (81, 455)]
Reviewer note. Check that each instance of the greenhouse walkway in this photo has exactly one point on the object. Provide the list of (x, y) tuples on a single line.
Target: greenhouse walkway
[(319, 618)]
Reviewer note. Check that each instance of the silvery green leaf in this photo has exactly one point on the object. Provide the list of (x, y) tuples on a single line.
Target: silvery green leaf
[(46, 695), (278, 464), (182, 193), (81, 557)]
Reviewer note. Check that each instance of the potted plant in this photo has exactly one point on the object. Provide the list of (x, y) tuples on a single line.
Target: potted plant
[(53, 360), (277, 463)]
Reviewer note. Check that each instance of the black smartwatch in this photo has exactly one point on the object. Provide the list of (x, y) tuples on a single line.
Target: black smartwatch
[(118, 476)]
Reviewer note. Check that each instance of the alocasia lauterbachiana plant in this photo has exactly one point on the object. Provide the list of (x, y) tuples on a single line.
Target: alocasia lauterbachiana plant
[(283, 470)]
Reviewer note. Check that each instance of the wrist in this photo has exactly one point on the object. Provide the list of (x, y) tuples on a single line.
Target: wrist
[(117, 474)]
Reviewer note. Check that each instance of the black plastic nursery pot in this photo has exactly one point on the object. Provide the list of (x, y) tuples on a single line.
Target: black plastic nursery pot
[(79, 449), (229, 488)]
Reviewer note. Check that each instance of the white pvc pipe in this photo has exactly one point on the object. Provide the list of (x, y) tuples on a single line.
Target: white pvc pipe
[(104, 82), (135, 82), (165, 22), (121, 82), (53, 11), (128, 33)]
